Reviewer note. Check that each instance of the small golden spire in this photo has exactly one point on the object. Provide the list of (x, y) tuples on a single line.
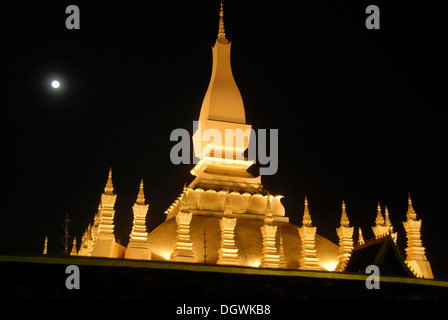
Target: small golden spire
[(74, 252), (45, 245), (141, 194), (344, 218), (360, 237), (109, 186), (268, 214), (221, 30), (379, 217), (184, 203), (306, 215), (386, 213), (411, 215)]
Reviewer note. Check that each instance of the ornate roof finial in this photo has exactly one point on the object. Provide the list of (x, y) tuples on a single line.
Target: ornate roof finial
[(360, 237), (184, 203), (221, 31), (411, 215), (386, 213), (379, 217), (141, 194), (344, 218), (306, 215), (268, 214), (109, 188)]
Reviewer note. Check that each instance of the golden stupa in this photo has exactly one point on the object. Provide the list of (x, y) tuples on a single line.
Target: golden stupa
[(241, 222)]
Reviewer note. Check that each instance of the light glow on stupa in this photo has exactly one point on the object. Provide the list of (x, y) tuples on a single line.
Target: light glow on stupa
[(244, 223)]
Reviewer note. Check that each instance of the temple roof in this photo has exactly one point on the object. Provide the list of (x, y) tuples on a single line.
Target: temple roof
[(381, 252)]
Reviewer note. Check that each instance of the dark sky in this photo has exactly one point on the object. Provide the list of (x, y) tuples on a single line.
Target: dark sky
[(360, 113)]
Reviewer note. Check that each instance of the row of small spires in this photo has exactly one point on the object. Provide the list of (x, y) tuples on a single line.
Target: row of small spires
[(379, 220), (306, 221), (344, 219)]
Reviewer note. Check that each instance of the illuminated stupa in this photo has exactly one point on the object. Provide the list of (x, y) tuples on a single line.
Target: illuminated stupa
[(244, 224)]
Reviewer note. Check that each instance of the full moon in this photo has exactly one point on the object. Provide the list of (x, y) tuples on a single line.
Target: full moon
[(55, 84)]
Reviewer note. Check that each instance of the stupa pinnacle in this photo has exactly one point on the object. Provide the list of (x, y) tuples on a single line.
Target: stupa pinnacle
[(222, 31), (222, 111)]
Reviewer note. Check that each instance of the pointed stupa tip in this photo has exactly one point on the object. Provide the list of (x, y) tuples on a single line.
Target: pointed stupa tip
[(109, 188), (184, 200), (306, 215), (344, 218), (74, 251), (411, 215), (386, 213), (360, 237), (141, 194), (269, 217), (306, 209), (221, 30), (379, 217), (45, 245)]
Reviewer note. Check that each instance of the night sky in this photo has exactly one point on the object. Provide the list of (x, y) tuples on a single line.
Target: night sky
[(361, 113)]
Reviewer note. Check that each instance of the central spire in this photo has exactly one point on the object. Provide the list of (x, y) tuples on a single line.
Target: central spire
[(222, 101), (222, 31), (222, 163)]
